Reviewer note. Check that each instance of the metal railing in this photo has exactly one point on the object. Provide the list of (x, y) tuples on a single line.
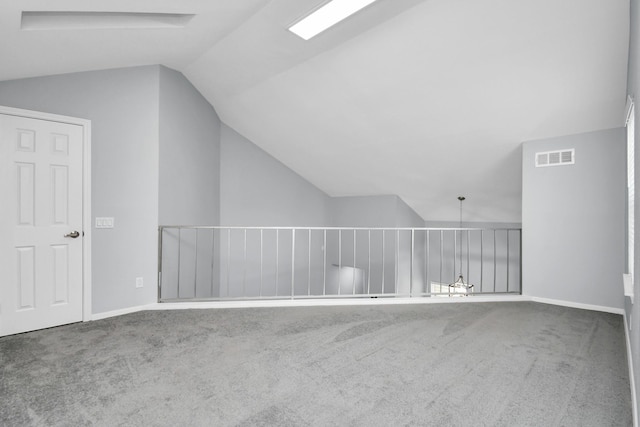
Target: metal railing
[(200, 263)]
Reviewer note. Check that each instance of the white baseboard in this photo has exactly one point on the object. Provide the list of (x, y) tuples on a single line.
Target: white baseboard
[(632, 381), (329, 302), (582, 306), (120, 312), (304, 303)]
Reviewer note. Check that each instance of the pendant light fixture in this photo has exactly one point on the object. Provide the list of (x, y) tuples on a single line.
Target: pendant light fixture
[(459, 287)]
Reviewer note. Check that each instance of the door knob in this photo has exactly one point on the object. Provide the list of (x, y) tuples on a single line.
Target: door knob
[(73, 234)]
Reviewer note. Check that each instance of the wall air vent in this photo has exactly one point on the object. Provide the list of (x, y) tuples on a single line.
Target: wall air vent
[(555, 158)]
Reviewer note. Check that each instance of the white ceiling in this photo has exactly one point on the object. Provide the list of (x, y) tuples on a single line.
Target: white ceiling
[(426, 99)]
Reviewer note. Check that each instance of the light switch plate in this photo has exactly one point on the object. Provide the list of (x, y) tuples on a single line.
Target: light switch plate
[(105, 222)]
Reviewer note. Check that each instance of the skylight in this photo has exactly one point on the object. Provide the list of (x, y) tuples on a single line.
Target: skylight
[(48, 20), (327, 16)]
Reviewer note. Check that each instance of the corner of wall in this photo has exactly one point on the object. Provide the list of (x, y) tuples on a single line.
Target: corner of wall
[(257, 189), (406, 216), (189, 143)]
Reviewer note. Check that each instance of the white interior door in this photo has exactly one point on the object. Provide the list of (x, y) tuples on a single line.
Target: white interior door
[(41, 233)]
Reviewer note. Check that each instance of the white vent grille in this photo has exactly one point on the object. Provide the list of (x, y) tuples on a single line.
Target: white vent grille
[(555, 158)]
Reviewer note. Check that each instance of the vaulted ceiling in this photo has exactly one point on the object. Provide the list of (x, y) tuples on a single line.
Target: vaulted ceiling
[(426, 99)]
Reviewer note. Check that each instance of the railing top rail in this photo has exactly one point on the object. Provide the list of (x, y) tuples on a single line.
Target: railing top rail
[(223, 227)]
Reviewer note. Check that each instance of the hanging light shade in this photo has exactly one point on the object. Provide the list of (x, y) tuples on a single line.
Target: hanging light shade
[(459, 287)]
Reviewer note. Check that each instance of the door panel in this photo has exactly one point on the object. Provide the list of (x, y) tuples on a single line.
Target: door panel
[(60, 255), (26, 193), (26, 278), (41, 182)]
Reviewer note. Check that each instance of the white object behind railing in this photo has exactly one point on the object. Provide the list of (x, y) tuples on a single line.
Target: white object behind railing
[(224, 263)]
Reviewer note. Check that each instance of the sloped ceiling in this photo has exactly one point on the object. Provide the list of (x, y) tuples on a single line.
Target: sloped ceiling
[(426, 99)]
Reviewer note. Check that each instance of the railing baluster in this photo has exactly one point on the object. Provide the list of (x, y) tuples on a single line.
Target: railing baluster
[(481, 258), (213, 257), (369, 262), (411, 263), (324, 263), (277, 258), (395, 285), (195, 268), (179, 259), (427, 260), (339, 259), (383, 251), (441, 256), (160, 250), (494, 261), (244, 265), (309, 266), (520, 260), (353, 284), (468, 258), (228, 259), (507, 261), (455, 254), (261, 261), (293, 262)]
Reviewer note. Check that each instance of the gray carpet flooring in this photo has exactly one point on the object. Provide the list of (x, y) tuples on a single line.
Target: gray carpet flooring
[(478, 364)]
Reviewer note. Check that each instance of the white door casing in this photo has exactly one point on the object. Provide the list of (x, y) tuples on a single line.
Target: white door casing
[(43, 280)]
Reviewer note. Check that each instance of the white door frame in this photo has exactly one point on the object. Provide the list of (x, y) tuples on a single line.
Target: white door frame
[(86, 193)]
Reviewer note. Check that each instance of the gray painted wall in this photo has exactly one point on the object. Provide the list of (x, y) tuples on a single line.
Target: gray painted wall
[(123, 107), (573, 220), (189, 182), (258, 190), (633, 89), (409, 282), (372, 211), (406, 216), (363, 211)]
